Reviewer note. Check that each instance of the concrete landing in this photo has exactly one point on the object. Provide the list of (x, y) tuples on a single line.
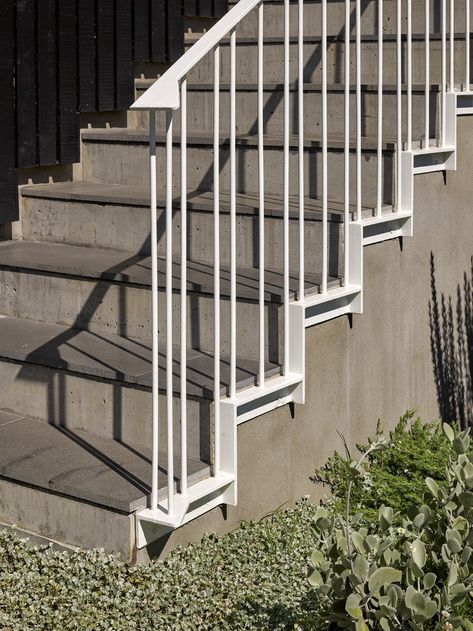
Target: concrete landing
[(79, 465), (116, 358)]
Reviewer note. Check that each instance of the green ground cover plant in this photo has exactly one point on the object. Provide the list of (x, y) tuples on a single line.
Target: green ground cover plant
[(254, 578)]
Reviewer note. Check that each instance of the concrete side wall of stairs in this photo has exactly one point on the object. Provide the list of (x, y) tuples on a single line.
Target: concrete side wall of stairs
[(377, 368)]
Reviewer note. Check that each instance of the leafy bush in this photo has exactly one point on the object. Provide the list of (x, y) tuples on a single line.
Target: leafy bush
[(410, 577), (396, 475)]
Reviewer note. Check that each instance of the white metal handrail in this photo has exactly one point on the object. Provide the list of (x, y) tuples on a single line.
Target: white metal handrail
[(170, 93), (164, 94)]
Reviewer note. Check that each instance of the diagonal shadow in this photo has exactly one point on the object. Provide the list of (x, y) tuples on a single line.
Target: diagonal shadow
[(451, 342)]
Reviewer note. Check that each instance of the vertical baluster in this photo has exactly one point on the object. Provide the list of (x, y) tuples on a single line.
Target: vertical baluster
[(452, 45), (233, 336), (427, 75), (301, 153), (286, 184), (409, 75), (346, 275), (467, 45), (324, 152), (358, 110), (184, 287), (261, 190), (216, 177), (399, 103), (169, 318), (379, 196), (444, 71), (154, 309)]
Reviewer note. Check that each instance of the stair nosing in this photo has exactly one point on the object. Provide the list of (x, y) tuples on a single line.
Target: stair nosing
[(205, 139)]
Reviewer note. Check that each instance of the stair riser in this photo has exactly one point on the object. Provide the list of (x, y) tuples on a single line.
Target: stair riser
[(247, 66), (107, 226), (104, 408), (128, 164), (200, 108), (127, 228), (274, 18), (121, 309)]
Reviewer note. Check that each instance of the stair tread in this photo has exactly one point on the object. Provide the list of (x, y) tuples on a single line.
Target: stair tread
[(130, 195), (141, 136), (116, 358), (195, 86), (337, 37), (77, 464), (118, 266)]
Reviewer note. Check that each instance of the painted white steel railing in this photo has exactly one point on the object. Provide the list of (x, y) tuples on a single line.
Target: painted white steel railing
[(170, 93)]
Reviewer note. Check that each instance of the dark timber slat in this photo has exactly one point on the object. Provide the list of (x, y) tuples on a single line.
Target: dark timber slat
[(8, 189), (26, 83), (47, 77), (175, 28), (67, 82), (221, 7), (141, 30), (105, 56), (62, 57), (190, 7), (87, 55), (157, 25), (124, 68)]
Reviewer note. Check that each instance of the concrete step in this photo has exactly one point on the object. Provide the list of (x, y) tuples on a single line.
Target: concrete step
[(121, 156), (76, 488), (117, 217), (274, 12), (106, 292), (200, 108), (101, 384), (76, 464), (247, 56)]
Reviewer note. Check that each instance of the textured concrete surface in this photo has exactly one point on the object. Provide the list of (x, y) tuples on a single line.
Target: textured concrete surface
[(121, 156), (8, 417), (76, 464), (114, 358), (66, 521), (97, 263), (98, 215)]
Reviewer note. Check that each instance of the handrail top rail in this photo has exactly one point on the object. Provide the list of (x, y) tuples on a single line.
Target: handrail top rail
[(164, 93)]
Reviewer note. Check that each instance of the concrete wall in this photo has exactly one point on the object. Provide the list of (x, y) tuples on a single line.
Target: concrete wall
[(378, 368)]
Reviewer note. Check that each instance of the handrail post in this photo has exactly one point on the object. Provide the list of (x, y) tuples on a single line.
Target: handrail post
[(154, 308)]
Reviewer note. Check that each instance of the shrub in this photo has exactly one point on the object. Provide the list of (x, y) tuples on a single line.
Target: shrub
[(394, 476), (415, 576)]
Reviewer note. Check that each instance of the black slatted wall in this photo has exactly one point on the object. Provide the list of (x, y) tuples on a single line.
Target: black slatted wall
[(8, 190), (62, 57)]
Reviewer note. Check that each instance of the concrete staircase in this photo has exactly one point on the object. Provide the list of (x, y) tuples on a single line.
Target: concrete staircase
[(75, 298)]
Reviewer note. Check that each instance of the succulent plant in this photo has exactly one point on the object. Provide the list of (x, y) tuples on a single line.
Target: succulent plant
[(414, 576)]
